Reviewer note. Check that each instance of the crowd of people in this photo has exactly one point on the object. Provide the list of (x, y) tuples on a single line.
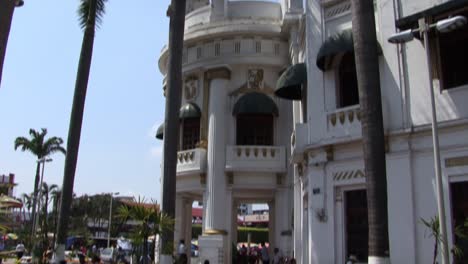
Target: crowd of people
[(261, 256)]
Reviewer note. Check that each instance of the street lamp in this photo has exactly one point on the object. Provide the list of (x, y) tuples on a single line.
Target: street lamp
[(110, 217), (442, 26)]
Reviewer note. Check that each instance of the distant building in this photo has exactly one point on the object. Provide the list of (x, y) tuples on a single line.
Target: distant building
[(7, 184)]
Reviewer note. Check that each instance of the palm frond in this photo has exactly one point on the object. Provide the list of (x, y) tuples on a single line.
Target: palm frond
[(84, 12), (22, 142)]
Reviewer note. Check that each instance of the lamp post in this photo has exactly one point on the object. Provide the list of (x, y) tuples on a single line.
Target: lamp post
[(110, 217), (442, 26)]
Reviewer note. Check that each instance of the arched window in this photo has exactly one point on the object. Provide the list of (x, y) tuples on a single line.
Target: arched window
[(347, 92), (255, 119), (190, 126)]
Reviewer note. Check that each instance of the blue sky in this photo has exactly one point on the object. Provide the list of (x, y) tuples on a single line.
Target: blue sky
[(124, 104)]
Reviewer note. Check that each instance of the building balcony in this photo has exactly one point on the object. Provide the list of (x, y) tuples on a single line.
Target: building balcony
[(256, 159), (344, 122), (299, 139), (191, 161)]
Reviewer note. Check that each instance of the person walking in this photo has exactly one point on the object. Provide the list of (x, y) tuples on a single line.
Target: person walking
[(20, 249), (277, 258), (264, 254), (181, 252)]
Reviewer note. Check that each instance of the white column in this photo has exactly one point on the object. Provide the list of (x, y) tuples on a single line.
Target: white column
[(271, 227), (216, 178), (297, 217), (180, 217), (214, 244), (282, 218)]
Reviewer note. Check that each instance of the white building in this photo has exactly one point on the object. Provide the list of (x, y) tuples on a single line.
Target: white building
[(240, 144), (235, 134), (330, 216)]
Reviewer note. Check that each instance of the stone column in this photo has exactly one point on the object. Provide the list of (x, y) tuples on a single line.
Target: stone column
[(271, 228), (214, 242), (179, 231), (297, 215)]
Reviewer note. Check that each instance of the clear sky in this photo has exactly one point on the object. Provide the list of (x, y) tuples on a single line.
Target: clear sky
[(124, 104)]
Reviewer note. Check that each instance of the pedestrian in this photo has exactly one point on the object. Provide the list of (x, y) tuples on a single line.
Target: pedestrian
[(277, 258), (181, 252), (20, 250), (264, 254)]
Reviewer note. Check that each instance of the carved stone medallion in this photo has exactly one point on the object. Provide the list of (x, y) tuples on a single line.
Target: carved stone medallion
[(255, 79)]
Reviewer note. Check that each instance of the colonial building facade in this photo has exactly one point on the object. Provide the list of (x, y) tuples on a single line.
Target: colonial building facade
[(271, 114)]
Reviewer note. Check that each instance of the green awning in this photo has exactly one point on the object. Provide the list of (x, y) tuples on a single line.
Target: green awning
[(160, 132), (289, 84), (339, 43), (255, 103), (189, 110)]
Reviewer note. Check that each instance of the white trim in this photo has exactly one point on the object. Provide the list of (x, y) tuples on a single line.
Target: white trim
[(378, 260)]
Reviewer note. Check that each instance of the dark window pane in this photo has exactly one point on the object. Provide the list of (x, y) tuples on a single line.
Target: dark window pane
[(454, 57), (348, 88), (357, 231), (255, 130), (190, 133), (459, 200)]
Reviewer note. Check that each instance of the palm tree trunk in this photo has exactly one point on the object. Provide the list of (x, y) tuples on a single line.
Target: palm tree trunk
[(367, 68), (35, 194), (171, 129), (74, 131), (7, 7)]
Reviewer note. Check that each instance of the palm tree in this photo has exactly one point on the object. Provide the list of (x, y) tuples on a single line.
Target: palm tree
[(90, 12), (7, 8), (150, 221), (41, 148), (46, 193), (176, 12), (27, 204), (367, 69), (55, 195)]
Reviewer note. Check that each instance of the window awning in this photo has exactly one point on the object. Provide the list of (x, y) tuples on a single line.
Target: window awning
[(289, 84), (255, 103), (411, 21), (189, 110), (339, 43), (160, 132)]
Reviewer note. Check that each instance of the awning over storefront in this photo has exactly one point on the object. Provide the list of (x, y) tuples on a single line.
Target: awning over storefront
[(339, 43), (289, 84), (411, 21), (189, 110), (255, 103), (160, 132)]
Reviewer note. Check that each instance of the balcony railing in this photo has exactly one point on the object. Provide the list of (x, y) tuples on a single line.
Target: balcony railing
[(256, 158), (344, 122), (191, 161)]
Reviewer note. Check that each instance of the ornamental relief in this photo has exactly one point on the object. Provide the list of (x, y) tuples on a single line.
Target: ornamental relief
[(191, 88), (255, 79)]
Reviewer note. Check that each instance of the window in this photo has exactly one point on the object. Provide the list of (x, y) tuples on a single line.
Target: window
[(190, 132), (217, 49), (347, 92), (453, 56), (459, 201), (258, 47), (255, 129), (237, 47), (357, 230)]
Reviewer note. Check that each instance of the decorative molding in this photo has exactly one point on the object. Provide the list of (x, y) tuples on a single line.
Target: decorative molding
[(218, 73), (191, 88), (211, 232), (337, 10), (255, 78), (456, 162), (244, 89), (348, 175)]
